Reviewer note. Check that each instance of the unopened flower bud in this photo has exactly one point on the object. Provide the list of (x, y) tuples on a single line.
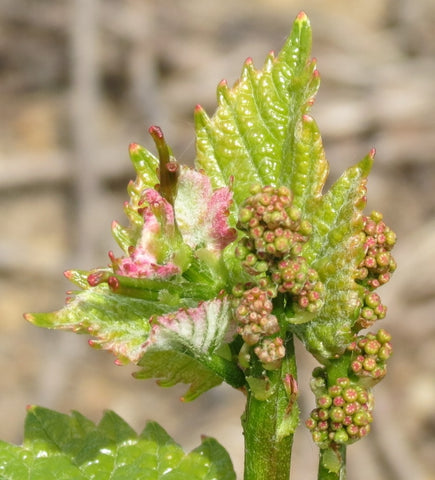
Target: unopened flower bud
[(341, 436), (324, 401), (361, 418), (337, 414)]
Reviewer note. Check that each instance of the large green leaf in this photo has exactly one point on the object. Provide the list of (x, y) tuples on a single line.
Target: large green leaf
[(253, 136), (58, 446)]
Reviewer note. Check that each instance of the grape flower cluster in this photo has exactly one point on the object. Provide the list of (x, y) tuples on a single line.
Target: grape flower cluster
[(343, 413), (369, 354), (376, 267), (378, 264), (344, 405), (271, 252)]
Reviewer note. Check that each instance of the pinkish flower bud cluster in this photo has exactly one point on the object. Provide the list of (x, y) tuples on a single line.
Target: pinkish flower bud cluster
[(369, 354), (344, 407), (271, 251), (270, 351), (273, 245), (294, 276), (372, 309), (378, 263), (257, 325), (274, 228), (343, 414), (254, 315)]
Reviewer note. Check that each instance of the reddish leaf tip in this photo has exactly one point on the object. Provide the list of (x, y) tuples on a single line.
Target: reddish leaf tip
[(249, 61), (372, 153), (302, 16), (68, 274), (133, 147), (155, 132)]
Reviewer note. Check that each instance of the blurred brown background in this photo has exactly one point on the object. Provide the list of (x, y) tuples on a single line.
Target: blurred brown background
[(80, 80)]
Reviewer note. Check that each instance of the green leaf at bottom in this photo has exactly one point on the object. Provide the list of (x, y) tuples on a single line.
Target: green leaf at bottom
[(58, 446)]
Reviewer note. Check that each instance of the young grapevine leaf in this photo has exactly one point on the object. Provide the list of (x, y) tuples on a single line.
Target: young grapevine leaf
[(166, 294), (174, 345), (184, 369), (336, 248), (257, 134), (118, 323), (58, 446)]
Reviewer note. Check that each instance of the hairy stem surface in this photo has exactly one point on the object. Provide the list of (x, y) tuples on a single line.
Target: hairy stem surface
[(269, 424)]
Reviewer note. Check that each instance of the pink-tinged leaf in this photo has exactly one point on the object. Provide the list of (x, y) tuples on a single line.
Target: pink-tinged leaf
[(118, 323), (159, 251), (181, 348), (201, 329), (141, 331), (201, 213), (142, 264)]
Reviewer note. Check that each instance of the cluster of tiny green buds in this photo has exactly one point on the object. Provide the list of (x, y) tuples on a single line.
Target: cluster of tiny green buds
[(372, 309), (253, 313), (378, 263), (369, 354), (343, 413), (294, 276)]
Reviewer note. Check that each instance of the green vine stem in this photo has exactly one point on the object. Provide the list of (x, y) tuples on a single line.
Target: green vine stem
[(268, 423)]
